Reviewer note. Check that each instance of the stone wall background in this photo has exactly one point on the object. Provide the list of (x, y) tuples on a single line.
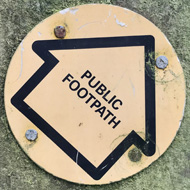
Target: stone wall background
[(170, 172)]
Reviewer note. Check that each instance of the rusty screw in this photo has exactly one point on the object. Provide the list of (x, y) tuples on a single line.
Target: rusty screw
[(135, 155), (162, 62), (31, 135), (60, 31)]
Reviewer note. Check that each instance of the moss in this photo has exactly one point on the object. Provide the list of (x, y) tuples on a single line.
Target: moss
[(171, 171)]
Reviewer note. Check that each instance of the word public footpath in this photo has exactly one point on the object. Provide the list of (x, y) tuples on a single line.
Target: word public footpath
[(101, 90)]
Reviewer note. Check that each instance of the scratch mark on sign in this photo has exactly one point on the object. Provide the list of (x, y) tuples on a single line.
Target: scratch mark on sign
[(103, 167), (77, 155), (122, 24), (119, 80), (88, 24), (172, 73), (21, 67), (133, 87)]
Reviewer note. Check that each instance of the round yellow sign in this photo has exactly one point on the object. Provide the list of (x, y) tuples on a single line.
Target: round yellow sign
[(95, 94)]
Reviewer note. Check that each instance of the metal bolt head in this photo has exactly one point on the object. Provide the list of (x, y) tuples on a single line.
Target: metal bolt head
[(162, 62), (135, 155), (31, 134), (60, 31)]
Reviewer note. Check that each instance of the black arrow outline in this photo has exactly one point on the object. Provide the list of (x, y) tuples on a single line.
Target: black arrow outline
[(42, 48)]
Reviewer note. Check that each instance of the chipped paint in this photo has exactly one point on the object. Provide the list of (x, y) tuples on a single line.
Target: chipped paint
[(39, 33), (72, 11), (64, 11), (122, 24), (126, 10), (109, 13), (178, 59)]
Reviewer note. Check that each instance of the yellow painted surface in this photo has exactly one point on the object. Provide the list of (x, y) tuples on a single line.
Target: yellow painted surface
[(121, 70)]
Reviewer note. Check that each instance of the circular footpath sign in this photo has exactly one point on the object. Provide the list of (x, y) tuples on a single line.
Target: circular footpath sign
[(95, 94)]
